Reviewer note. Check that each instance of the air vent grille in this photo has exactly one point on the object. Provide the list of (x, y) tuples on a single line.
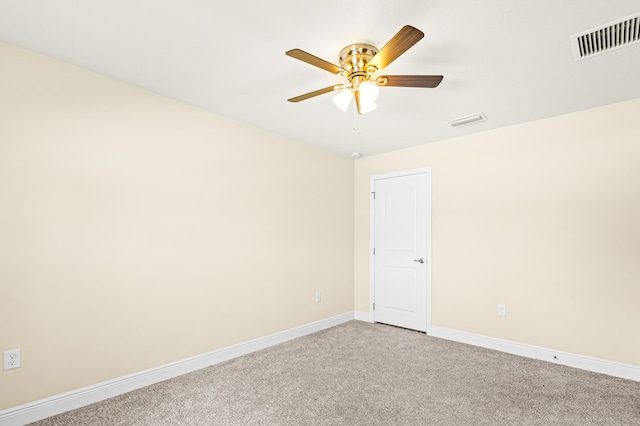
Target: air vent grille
[(606, 37), (470, 119)]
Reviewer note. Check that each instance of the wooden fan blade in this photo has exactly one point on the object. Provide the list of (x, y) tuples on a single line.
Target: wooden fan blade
[(410, 80), (356, 95), (314, 60), (315, 93), (400, 43)]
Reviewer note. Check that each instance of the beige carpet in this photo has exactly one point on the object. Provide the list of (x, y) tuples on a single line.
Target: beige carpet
[(372, 374)]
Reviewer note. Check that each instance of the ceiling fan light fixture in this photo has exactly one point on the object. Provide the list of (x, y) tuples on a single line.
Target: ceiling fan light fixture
[(359, 64), (369, 92), (343, 99), (366, 107)]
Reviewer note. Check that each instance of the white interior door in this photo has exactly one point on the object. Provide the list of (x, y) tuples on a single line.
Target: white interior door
[(401, 227)]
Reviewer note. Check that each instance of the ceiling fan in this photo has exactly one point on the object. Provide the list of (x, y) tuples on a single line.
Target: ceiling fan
[(360, 63)]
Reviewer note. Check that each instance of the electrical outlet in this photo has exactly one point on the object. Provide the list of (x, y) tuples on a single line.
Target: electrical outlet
[(502, 310), (318, 296), (11, 359)]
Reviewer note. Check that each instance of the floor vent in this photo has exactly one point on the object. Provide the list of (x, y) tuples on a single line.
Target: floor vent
[(605, 38)]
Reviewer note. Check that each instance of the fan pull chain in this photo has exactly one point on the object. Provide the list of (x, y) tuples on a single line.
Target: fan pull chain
[(355, 128)]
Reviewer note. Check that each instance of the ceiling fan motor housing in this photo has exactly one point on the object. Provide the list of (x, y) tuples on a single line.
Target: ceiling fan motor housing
[(354, 59)]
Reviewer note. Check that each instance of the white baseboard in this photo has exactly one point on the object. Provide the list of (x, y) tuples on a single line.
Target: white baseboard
[(596, 365), (363, 316), (48, 407)]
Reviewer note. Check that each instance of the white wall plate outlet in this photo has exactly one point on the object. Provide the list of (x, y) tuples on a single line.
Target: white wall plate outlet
[(11, 359), (502, 310)]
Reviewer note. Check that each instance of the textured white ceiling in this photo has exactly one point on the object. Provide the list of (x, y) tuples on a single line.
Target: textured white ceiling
[(509, 59)]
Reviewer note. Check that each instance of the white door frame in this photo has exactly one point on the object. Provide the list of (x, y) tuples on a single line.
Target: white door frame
[(427, 171)]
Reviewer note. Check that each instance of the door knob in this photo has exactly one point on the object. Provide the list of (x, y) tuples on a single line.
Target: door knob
[(421, 260)]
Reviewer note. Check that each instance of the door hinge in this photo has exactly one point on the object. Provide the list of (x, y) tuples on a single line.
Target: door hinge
[(374, 195), (374, 251), (374, 306)]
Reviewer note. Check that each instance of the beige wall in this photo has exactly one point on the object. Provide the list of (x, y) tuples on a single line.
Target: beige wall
[(136, 230), (543, 217)]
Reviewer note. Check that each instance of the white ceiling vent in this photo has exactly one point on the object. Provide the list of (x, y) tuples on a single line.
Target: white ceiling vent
[(605, 38), (470, 119)]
